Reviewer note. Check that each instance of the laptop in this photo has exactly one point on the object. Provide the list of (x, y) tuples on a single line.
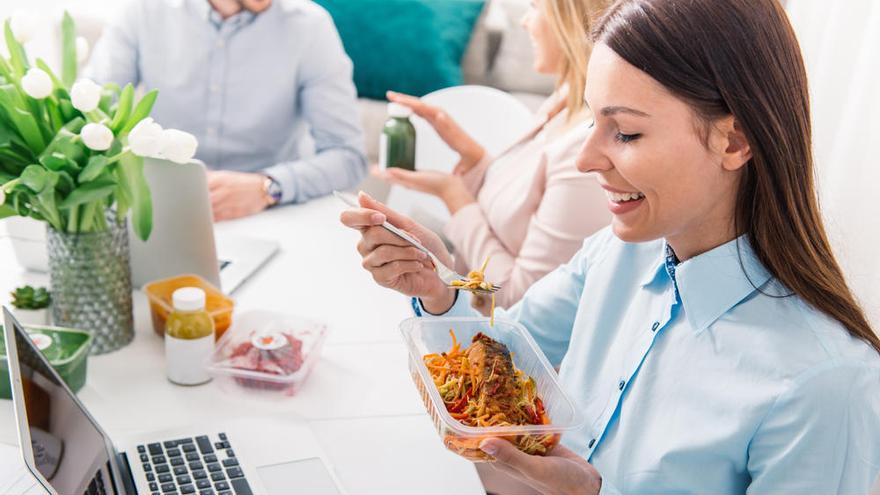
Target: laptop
[(67, 452), (183, 239)]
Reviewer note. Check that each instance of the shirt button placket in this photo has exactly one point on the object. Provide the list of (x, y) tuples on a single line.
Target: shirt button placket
[(215, 97)]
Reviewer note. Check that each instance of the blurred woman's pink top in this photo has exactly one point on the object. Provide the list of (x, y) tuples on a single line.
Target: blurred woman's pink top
[(533, 209)]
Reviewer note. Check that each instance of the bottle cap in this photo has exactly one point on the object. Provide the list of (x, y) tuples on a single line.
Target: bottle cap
[(397, 110), (188, 299)]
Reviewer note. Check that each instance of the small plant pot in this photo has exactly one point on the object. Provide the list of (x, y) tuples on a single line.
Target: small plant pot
[(34, 317)]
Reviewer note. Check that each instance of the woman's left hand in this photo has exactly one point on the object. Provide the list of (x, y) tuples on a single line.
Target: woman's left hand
[(561, 472), (449, 188)]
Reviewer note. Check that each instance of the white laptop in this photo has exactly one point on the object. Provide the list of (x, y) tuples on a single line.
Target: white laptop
[(182, 240), (67, 452)]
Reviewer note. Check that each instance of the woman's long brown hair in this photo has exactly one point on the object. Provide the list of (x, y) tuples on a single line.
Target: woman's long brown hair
[(741, 58)]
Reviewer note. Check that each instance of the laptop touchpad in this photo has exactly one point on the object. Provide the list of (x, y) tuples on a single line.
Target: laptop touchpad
[(303, 476)]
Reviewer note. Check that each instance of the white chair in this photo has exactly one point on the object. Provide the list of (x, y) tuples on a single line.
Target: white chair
[(492, 117)]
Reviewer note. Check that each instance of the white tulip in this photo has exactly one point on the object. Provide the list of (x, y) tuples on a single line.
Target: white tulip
[(82, 49), (24, 25), (97, 137), (36, 83), (178, 146), (85, 95), (146, 138)]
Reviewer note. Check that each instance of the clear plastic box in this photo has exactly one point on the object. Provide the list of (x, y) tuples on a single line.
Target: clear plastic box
[(216, 303), (267, 353), (431, 335)]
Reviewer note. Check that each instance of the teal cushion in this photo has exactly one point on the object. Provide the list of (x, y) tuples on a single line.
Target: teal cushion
[(410, 46)]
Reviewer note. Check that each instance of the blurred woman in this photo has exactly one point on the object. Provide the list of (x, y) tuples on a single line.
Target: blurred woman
[(708, 336), (527, 208)]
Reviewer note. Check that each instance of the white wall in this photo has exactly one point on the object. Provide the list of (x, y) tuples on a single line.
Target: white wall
[(841, 45)]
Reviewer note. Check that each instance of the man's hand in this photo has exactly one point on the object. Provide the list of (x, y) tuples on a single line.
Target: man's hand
[(561, 472), (236, 194)]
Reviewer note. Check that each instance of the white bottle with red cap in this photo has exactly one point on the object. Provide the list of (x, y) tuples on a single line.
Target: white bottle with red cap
[(189, 338)]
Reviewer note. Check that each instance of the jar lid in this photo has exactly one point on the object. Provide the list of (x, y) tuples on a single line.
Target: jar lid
[(188, 299), (399, 111)]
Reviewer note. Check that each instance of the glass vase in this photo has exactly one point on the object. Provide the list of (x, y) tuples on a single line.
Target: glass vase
[(91, 284)]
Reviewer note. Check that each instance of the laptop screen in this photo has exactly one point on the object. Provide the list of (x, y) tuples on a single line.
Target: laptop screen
[(68, 450)]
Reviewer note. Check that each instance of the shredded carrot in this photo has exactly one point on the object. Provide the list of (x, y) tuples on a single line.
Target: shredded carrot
[(459, 382), (492, 312)]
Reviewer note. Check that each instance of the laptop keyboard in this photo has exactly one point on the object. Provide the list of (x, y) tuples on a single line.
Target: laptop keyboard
[(96, 486), (193, 466)]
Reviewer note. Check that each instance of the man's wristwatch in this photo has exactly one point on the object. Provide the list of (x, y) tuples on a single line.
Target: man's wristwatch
[(271, 191)]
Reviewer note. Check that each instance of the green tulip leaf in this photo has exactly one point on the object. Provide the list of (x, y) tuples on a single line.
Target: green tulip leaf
[(34, 177), (88, 193), (131, 174), (67, 109), (93, 169), (66, 143), (17, 56), (55, 161), (141, 111), (68, 50), (66, 184), (16, 111), (123, 108), (7, 211)]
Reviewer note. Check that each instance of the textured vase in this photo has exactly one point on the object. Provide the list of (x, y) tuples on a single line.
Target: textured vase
[(91, 284)]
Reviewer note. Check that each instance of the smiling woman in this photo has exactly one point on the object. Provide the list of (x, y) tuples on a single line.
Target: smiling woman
[(708, 335), (749, 168)]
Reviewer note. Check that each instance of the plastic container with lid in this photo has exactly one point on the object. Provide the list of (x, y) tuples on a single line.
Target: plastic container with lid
[(216, 303), (397, 143), (66, 349), (268, 354), (431, 335)]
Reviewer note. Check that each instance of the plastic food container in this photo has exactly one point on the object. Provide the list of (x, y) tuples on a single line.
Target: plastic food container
[(216, 303), (431, 335), (66, 349), (267, 353)]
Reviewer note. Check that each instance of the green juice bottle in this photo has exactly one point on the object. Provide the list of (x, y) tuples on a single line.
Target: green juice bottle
[(397, 144)]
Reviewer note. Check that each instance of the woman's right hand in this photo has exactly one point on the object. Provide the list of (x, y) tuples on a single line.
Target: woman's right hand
[(470, 151), (393, 262)]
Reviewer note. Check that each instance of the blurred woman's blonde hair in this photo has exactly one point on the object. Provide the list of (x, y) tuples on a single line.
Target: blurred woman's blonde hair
[(571, 22)]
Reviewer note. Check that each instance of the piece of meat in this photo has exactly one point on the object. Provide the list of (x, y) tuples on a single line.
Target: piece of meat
[(282, 361), (497, 380)]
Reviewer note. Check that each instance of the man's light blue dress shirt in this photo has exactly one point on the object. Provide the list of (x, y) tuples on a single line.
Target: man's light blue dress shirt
[(248, 87), (692, 381)]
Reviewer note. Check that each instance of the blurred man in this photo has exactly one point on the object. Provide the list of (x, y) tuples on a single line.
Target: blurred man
[(249, 78)]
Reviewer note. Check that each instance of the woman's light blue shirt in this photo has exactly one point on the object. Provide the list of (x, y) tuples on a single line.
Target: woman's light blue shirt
[(692, 381)]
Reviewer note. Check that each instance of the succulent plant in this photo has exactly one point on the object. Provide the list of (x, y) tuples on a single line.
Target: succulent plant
[(29, 298)]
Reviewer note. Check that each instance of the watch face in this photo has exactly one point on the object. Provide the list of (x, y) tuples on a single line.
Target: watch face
[(274, 190)]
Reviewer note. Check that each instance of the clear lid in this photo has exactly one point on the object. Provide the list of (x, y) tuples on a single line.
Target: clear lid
[(188, 299), (399, 111), (268, 346)]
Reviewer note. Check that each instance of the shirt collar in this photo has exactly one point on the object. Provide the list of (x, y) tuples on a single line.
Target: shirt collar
[(203, 9), (712, 283)]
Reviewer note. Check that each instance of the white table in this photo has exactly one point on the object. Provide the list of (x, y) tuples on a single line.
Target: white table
[(365, 412)]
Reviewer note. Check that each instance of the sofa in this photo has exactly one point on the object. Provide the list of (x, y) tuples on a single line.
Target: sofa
[(499, 55)]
